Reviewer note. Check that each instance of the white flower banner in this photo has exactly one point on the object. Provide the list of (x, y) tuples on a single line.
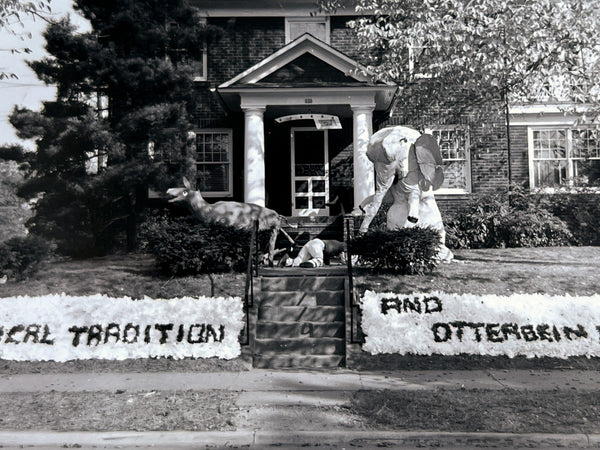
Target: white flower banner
[(532, 325), (62, 328)]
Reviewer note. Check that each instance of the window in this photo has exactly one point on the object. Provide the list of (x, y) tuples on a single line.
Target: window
[(213, 162), (179, 55), (416, 54), (454, 146), (561, 156), (297, 26)]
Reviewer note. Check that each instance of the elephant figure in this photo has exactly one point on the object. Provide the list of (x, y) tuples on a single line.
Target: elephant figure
[(408, 165)]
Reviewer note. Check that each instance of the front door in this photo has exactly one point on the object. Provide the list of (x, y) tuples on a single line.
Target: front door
[(310, 172)]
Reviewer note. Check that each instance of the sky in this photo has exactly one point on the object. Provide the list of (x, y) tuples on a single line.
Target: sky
[(27, 90)]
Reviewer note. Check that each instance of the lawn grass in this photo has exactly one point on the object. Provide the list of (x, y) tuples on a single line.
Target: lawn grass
[(480, 410), (547, 270), (123, 275)]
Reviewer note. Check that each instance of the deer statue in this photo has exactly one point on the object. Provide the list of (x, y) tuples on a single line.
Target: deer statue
[(234, 214)]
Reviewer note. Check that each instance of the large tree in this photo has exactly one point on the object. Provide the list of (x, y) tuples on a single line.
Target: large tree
[(456, 54), (123, 98)]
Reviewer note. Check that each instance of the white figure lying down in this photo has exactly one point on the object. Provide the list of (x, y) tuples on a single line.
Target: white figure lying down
[(317, 252)]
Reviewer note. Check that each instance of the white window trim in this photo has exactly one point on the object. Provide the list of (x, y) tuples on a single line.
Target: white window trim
[(468, 188), (204, 75), (568, 128), (228, 131), (316, 19)]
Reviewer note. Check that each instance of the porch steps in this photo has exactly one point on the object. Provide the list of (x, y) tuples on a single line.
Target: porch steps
[(300, 321)]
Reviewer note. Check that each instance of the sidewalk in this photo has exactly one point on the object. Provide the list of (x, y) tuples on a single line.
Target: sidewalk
[(290, 409), (258, 380)]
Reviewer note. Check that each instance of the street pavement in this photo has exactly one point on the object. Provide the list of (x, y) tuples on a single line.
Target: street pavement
[(280, 409)]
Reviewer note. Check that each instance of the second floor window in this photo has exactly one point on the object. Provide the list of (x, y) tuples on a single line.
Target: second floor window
[(179, 55), (561, 156), (454, 146)]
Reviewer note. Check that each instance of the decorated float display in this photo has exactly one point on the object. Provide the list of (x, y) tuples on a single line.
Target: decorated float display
[(63, 328), (533, 325)]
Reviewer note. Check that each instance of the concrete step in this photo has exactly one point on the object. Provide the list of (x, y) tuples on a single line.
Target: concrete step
[(298, 361), (301, 313), (283, 330), (300, 346), (296, 298), (304, 284)]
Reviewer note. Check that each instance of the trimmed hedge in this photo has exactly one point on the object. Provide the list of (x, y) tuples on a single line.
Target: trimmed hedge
[(20, 257), (407, 251), (185, 246)]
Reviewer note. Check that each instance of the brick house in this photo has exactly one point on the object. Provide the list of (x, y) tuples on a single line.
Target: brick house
[(289, 118)]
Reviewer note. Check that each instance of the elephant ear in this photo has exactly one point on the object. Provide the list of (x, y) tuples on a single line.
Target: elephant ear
[(429, 160)]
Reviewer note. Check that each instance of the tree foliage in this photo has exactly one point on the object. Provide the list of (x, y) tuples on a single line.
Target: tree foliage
[(460, 53), (122, 87), (12, 13)]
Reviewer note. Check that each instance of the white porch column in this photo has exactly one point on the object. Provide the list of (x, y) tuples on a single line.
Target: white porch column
[(254, 156), (364, 174)]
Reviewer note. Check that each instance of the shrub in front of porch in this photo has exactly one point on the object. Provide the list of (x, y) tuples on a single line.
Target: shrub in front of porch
[(407, 251), (185, 246)]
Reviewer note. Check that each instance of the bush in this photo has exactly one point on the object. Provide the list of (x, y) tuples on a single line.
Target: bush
[(581, 212), (406, 251), (496, 221), (14, 152), (184, 246), (531, 228), (20, 257)]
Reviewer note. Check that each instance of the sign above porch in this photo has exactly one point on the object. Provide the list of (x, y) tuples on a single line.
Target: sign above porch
[(322, 121)]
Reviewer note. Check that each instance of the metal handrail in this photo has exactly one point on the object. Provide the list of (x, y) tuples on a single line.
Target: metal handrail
[(251, 271), (355, 338)]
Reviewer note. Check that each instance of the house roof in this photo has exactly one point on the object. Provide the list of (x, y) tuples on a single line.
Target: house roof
[(307, 63), (265, 8)]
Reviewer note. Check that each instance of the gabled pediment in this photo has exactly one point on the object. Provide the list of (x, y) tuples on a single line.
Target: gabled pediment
[(303, 62)]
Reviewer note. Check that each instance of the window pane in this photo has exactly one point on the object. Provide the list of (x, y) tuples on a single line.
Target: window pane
[(301, 202), (302, 186), (318, 202), (549, 144), (585, 144), (454, 175), (212, 147), (318, 186), (549, 173), (213, 177), (310, 170), (586, 172)]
